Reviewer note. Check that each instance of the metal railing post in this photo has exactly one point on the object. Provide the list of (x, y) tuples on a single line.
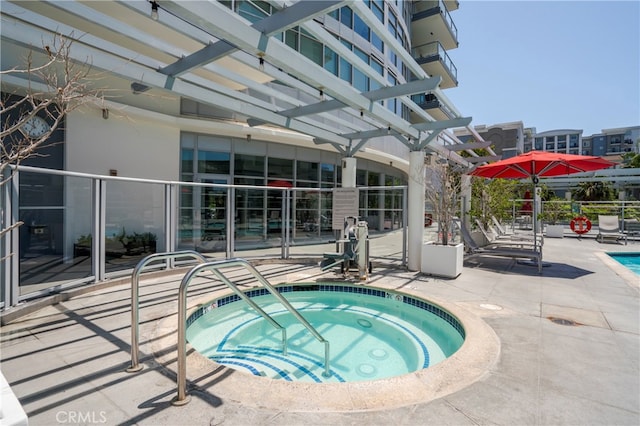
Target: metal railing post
[(135, 299)]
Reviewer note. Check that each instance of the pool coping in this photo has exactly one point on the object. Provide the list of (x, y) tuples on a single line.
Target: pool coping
[(475, 358), (623, 272)]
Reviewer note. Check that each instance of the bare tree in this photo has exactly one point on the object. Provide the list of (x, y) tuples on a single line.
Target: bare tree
[(55, 86), (442, 190)]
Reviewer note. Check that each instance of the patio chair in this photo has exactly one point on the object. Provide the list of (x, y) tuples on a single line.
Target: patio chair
[(501, 230), (609, 229), (494, 237), (473, 249)]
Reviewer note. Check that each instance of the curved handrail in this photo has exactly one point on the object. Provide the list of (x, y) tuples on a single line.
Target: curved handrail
[(135, 298), (182, 397), (253, 304)]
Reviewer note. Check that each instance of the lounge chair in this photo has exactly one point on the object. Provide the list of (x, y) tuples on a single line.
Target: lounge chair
[(494, 237), (473, 249), (609, 229)]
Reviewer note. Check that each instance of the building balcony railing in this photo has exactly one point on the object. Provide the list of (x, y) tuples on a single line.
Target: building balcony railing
[(435, 61), (424, 22), (430, 103)]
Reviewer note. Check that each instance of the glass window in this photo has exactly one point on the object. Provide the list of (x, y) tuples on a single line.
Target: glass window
[(311, 48), (213, 162), (345, 70), (346, 16), (327, 173), (361, 177), (377, 66), (249, 11), (391, 25), (360, 80), (361, 28), (377, 42), (187, 160), (306, 170), (280, 168), (249, 165), (377, 7), (393, 58), (291, 38), (391, 103), (330, 61)]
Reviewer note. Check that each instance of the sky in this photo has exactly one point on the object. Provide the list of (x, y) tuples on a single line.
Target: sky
[(550, 64)]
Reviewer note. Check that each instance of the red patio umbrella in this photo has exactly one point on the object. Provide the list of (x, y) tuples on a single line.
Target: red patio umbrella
[(536, 164)]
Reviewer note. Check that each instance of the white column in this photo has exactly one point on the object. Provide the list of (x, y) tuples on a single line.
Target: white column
[(415, 207), (348, 172)]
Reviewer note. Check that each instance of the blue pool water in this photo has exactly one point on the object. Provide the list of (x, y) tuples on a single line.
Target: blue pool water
[(372, 334), (629, 260)]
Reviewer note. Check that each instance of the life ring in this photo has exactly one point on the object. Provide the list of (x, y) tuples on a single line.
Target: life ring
[(580, 225)]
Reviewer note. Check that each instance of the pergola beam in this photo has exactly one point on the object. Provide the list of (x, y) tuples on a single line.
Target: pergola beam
[(417, 86), (280, 21), (219, 20)]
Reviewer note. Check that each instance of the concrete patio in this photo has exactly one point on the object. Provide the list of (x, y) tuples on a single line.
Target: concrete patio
[(569, 349)]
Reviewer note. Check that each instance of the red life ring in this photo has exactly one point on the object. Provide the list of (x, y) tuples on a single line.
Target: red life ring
[(580, 225)]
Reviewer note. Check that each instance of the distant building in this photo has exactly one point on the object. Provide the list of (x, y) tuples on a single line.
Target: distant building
[(507, 139), (565, 141), (613, 142)]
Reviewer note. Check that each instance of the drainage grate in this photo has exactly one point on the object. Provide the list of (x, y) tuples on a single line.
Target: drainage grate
[(562, 321)]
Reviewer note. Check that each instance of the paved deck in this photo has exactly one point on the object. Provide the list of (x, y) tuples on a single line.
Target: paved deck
[(66, 362)]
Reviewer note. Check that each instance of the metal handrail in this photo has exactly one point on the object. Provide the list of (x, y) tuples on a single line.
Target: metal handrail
[(135, 298), (253, 304), (182, 397)]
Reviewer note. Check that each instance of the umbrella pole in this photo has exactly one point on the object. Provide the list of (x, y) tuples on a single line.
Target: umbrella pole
[(535, 217)]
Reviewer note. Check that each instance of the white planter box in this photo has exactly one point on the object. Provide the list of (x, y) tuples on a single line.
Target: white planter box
[(554, 231), (442, 261)]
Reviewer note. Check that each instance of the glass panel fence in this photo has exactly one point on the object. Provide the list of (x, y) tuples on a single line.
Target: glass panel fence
[(55, 239), (56, 244), (134, 223)]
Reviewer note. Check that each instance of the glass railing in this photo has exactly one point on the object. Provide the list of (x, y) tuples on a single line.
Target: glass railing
[(435, 49), (424, 8), (81, 228), (447, 18)]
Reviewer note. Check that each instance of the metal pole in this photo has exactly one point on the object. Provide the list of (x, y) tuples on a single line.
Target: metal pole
[(135, 298)]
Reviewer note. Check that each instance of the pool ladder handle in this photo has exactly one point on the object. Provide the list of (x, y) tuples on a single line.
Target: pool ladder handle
[(135, 298), (182, 398)]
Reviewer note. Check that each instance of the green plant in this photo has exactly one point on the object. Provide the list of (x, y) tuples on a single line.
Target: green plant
[(555, 210), (492, 198)]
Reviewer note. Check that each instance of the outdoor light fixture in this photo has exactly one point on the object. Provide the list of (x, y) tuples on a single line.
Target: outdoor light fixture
[(388, 129), (105, 113), (321, 95), (154, 10), (138, 88)]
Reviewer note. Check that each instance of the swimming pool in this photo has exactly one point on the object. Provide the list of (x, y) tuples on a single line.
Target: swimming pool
[(630, 260), (373, 333)]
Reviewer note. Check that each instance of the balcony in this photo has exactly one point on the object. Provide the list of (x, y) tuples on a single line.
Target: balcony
[(431, 22), (434, 60), (432, 105)]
